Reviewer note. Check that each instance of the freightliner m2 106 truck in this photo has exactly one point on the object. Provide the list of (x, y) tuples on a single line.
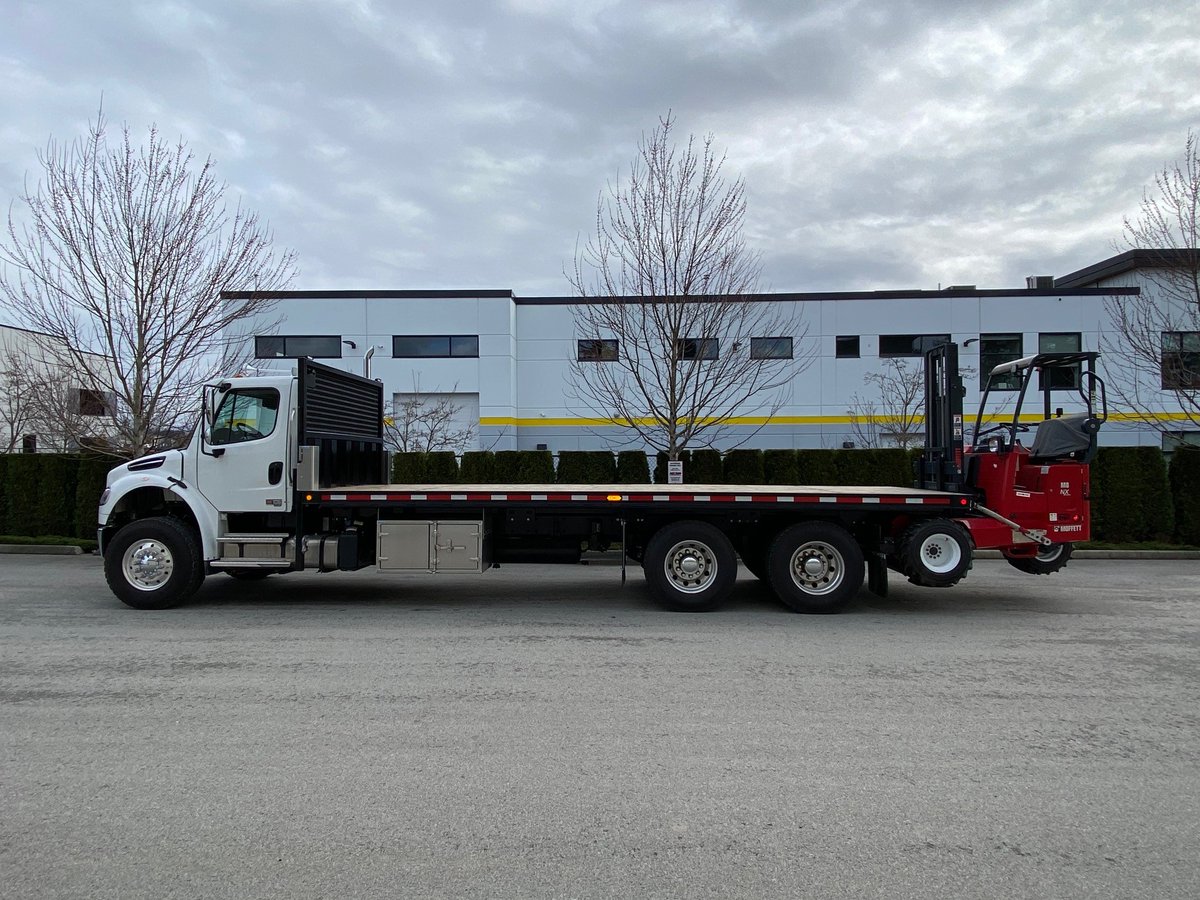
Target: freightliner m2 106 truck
[(286, 473)]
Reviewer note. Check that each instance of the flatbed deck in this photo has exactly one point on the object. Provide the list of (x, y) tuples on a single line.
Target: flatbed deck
[(876, 496)]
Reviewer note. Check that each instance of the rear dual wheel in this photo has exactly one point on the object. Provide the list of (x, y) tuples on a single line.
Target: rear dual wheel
[(690, 566), (815, 567)]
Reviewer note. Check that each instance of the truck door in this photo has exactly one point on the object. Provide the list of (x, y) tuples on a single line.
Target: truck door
[(245, 468)]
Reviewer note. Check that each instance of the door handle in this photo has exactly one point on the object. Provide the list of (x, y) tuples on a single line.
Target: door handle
[(275, 472)]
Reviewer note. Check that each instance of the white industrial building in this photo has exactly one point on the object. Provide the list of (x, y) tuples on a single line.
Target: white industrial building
[(503, 361), (43, 407)]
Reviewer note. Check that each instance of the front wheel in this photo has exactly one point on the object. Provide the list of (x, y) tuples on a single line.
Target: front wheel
[(815, 566), (154, 563), (1048, 559), (690, 566)]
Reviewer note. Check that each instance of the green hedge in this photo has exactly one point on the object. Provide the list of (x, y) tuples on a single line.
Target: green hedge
[(744, 467), (408, 467), (477, 467), (89, 485), (586, 467), (816, 467), (1157, 506), (524, 467), (4, 529), (706, 468), (1131, 496), (51, 493), (441, 467), (1185, 488), (780, 467), (633, 467)]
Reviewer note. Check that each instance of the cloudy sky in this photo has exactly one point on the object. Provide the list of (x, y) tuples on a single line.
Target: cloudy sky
[(885, 145)]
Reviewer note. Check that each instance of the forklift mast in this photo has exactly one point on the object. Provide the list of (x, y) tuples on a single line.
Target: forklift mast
[(941, 465)]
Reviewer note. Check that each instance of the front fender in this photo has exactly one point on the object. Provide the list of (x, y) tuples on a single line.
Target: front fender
[(135, 495)]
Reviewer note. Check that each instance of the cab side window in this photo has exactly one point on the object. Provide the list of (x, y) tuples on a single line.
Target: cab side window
[(246, 415)]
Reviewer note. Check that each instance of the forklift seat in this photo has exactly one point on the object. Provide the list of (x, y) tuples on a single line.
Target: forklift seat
[(1067, 437)]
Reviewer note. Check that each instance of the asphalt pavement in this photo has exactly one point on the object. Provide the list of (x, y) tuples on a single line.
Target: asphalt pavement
[(544, 732)]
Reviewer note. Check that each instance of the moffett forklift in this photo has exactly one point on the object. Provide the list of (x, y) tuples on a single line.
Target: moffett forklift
[(1031, 499)]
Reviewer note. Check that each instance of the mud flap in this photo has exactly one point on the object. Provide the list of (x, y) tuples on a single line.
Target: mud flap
[(877, 582)]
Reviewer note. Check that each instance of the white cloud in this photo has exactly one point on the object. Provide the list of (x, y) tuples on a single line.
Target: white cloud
[(884, 144)]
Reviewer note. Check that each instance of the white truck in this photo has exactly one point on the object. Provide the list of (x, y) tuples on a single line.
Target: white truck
[(286, 473)]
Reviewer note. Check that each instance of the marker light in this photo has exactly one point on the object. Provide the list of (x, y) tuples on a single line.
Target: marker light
[(614, 496)]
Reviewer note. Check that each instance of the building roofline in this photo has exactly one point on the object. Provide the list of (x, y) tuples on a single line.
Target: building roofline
[(854, 295), (367, 295), (28, 330), (1127, 262), (758, 297)]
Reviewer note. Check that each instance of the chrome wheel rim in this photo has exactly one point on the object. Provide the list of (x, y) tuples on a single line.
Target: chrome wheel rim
[(690, 567), (817, 567), (148, 564), (940, 553), (1050, 554)]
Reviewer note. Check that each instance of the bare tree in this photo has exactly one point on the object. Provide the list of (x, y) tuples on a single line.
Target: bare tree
[(1154, 346), (119, 258), (671, 343), (424, 423), (893, 414)]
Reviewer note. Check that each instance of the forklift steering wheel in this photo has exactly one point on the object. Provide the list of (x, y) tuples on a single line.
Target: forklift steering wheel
[(999, 435)]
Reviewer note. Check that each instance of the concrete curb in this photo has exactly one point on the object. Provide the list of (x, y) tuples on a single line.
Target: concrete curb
[(42, 549)]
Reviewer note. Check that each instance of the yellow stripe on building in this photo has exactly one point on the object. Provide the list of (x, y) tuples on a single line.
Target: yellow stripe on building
[(594, 422)]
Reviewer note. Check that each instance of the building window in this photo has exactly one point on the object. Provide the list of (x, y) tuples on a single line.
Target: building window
[(29, 443), (847, 346), (699, 348), (1180, 360), (771, 348), (290, 346), (995, 349), (435, 345), (91, 403), (1065, 378), (597, 350), (909, 344)]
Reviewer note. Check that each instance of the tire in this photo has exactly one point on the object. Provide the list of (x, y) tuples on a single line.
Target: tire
[(815, 567), (154, 563), (1049, 559), (935, 553), (690, 566), (248, 574)]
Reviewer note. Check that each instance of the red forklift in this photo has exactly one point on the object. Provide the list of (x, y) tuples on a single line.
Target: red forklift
[(1030, 495)]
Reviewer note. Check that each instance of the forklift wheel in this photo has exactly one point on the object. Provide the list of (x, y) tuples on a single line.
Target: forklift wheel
[(1049, 559), (935, 553)]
